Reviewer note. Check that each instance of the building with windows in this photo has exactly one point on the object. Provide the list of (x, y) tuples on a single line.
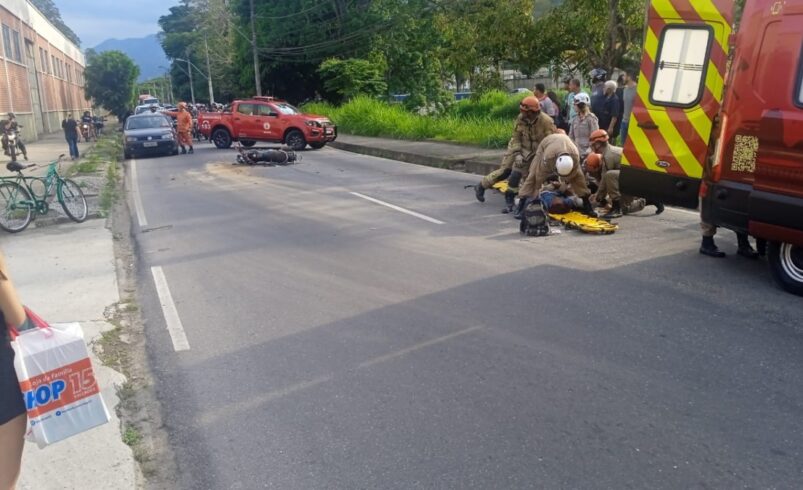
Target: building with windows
[(41, 71)]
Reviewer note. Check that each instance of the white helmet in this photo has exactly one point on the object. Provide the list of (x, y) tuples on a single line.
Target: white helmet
[(564, 165), (582, 98)]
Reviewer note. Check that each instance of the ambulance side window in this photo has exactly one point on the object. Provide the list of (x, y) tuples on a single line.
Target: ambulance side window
[(680, 69), (799, 100)]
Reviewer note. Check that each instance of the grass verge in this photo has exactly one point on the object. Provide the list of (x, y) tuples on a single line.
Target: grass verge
[(370, 117)]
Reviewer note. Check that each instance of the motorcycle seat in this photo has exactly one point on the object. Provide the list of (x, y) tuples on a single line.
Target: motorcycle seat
[(14, 166)]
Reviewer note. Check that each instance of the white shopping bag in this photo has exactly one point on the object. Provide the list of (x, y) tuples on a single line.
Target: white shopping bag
[(58, 383)]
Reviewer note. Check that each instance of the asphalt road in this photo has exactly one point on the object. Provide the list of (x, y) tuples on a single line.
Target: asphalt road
[(338, 343)]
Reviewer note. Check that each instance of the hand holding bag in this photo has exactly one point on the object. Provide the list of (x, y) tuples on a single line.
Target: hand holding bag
[(58, 383)]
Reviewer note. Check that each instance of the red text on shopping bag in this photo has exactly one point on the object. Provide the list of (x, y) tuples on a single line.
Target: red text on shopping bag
[(59, 387)]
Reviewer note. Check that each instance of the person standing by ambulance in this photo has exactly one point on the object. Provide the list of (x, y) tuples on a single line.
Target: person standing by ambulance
[(184, 123), (13, 421)]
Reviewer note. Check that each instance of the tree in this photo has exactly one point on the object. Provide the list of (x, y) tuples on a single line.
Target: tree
[(109, 80), (49, 9), (349, 78)]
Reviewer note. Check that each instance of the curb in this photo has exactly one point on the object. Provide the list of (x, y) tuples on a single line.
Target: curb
[(467, 165), (60, 220)]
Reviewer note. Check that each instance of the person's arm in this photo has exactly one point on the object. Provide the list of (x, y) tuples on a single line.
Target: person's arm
[(9, 300), (614, 116)]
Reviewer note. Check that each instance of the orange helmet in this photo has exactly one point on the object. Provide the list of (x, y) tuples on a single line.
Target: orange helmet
[(599, 135), (530, 103), (593, 162)]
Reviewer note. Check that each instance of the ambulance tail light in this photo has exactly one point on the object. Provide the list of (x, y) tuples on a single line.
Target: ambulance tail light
[(717, 161)]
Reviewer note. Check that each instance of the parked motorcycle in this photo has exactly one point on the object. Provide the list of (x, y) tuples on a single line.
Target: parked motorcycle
[(86, 131), (13, 144), (98, 122)]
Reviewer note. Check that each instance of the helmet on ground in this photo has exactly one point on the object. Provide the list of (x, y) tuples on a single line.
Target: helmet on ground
[(564, 165), (598, 136), (530, 103), (582, 98), (593, 162)]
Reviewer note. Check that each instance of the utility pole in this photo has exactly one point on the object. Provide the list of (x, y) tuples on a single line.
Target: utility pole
[(209, 73), (189, 72), (254, 49)]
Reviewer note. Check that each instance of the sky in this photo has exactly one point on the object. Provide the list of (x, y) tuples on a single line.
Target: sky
[(97, 20)]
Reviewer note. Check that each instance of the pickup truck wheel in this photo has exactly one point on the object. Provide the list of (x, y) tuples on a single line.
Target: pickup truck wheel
[(247, 143), (786, 264), (221, 138), (295, 140), (318, 145)]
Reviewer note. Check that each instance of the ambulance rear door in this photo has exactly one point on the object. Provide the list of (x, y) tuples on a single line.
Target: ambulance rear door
[(680, 89)]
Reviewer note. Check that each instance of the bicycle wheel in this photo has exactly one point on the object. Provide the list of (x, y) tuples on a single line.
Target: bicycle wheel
[(72, 200), (16, 207)]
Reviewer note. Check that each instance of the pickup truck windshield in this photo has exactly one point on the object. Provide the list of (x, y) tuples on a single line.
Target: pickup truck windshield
[(286, 108)]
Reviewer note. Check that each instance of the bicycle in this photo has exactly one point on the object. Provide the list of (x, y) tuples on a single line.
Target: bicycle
[(19, 201)]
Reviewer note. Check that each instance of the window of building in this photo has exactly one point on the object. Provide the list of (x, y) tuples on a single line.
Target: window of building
[(679, 77), (69, 73), (15, 37), (43, 60), (7, 41)]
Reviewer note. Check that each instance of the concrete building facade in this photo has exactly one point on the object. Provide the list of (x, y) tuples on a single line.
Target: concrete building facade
[(41, 71)]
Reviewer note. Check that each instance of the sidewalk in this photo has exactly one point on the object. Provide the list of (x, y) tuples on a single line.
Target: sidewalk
[(463, 158), (67, 273), (45, 150)]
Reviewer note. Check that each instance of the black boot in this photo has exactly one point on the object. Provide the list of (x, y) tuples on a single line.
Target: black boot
[(745, 249), (761, 247), (510, 202), (615, 212), (659, 206), (708, 247), (588, 209), (479, 191), (191, 151), (520, 208), (183, 151)]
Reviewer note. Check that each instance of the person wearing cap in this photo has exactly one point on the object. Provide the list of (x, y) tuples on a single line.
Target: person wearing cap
[(610, 165), (531, 127), (184, 127), (583, 123), (610, 113), (556, 154)]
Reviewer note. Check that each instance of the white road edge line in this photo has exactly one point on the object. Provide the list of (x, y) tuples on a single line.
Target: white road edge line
[(174, 326), (140, 210), (398, 208)]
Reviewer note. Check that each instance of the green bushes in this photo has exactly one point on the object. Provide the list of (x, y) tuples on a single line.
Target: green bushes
[(486, 122)]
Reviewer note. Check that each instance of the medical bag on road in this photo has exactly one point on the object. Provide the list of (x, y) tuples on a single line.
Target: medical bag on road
[(57, 381)]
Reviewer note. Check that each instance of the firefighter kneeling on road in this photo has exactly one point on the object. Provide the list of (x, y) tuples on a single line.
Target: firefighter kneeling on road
[(532, 126), (610, 164), (556, 154)]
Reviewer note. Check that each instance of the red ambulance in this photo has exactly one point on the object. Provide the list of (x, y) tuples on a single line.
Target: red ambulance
[(718, 120)]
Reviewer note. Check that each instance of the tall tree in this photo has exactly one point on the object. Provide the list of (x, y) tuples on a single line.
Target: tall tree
[(110, 78), (49, 9)]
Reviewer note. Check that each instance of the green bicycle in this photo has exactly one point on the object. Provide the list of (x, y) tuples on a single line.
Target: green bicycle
[(19, 199)]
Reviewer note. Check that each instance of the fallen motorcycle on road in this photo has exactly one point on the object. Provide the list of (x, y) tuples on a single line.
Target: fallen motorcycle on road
[(270, 156)]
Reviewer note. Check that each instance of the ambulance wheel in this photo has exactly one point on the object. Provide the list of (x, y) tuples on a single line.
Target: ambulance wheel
[(786, 264), (295, 140)]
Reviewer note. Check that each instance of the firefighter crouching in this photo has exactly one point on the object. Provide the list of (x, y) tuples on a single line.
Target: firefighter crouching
[(553, 156), (532, 126), (609, 166)]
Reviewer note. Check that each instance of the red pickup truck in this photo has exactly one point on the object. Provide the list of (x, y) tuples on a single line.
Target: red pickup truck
[(266, 119)]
